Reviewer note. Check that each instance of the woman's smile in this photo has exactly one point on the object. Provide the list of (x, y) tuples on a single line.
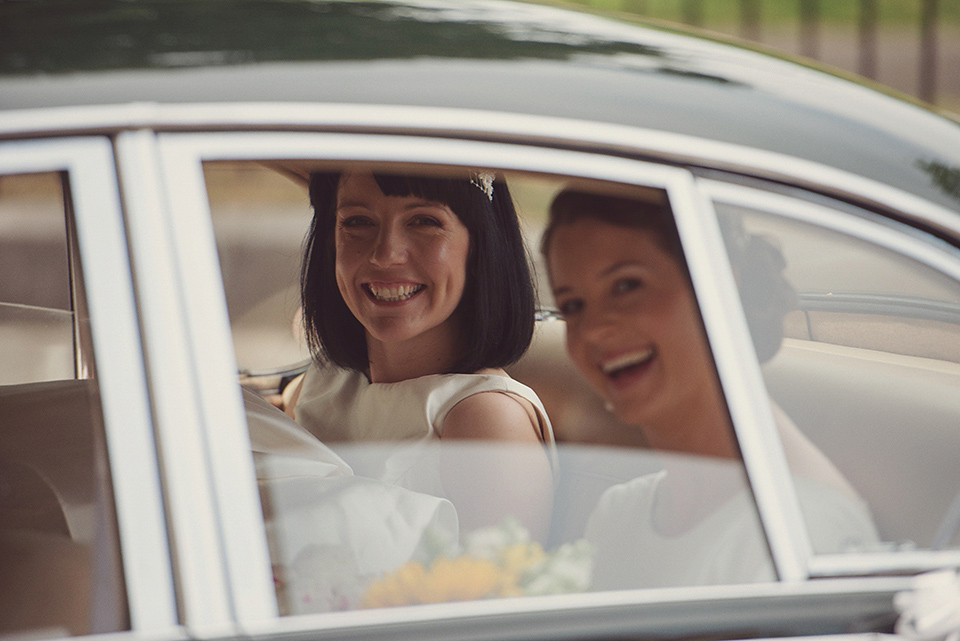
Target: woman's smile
[(632, 321), (393, 293), (626, 369), (401, 264)]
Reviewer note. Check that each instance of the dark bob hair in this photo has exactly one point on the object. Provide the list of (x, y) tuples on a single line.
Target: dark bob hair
[(765, 293), (498, 305)]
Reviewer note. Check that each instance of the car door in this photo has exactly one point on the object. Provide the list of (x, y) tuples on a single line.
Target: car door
[(85, 546)]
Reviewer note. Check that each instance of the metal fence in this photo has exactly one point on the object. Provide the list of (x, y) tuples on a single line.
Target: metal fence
[(929, 70)]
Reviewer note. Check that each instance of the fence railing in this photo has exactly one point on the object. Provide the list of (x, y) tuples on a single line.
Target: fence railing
[(865, 34)]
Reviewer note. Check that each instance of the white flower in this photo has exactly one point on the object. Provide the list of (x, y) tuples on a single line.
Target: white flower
[(569, 568), (486, 543), (931, 611)]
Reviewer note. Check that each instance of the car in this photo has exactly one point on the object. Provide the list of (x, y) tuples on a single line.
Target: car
[(154, 162)]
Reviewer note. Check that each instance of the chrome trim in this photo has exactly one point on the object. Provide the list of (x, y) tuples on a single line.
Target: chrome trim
[(669, 612), (293, 369), (84, 358), (120, 366), (204, 602), (883, 232), (742, 381), (907, 306), (864, 564), (500, 126), (235, 509)]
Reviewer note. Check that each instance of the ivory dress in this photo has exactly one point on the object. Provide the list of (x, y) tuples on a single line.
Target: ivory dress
[(338, 405), (726, 546)]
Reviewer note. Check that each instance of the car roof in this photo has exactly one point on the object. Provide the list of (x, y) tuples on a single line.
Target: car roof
[(486, 55)]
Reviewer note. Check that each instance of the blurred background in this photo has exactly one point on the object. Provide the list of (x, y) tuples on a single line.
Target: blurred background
[(911, 46)]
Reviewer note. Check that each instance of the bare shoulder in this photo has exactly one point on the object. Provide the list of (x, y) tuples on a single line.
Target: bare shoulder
[(494, 416)]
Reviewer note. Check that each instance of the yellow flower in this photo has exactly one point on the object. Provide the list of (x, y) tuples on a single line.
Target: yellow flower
[(395, 589), (460, 579), (494, 563)]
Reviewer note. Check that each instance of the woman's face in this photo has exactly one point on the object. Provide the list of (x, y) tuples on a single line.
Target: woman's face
[(401, 262), (633, 326)]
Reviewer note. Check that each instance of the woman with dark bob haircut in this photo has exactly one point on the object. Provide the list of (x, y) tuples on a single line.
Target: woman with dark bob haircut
[(497, 310), (416, 292), (634, 329)]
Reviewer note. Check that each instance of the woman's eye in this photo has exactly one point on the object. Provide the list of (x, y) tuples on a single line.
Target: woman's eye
[(568, 308), (426, 221), (355, 221), (625, 285)]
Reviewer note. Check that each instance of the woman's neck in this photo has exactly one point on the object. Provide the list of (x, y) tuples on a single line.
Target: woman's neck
[(700, 428), (419, 356)]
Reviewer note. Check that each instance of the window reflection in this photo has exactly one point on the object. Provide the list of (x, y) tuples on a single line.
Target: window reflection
[(868, 371)]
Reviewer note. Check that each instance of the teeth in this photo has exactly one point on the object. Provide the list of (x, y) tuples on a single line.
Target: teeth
[(394, 293), (627, 360)]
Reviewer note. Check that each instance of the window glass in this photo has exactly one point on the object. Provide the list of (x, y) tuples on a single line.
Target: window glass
[(35, 312), (59, 563), (364, 505), (867, 369), (260, 217)]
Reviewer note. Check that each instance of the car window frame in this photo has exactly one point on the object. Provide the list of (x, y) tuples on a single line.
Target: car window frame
[(893, 235), (180, 332), (98, 234), (182, 155)]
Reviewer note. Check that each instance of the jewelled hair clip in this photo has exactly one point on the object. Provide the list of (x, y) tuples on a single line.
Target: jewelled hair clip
[(484, 182)]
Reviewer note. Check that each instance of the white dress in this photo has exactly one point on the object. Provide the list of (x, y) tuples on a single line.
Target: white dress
[(341, 406), (726, 546)]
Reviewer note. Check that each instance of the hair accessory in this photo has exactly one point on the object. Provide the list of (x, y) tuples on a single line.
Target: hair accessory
[(484, 182)]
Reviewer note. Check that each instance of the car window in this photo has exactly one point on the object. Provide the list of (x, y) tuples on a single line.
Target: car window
[(37, 321), (365, 524), (58, 539), (868, 367), (260, 218)]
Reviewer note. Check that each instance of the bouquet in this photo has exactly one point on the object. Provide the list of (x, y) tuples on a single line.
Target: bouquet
[(493, 562)]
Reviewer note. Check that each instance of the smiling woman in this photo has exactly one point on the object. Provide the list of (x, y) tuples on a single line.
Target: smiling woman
[(634, 330), (401, 269), (416, 293)]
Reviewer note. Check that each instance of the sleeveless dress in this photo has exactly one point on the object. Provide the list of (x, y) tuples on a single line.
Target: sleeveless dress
[(341, 406), (727, 546)]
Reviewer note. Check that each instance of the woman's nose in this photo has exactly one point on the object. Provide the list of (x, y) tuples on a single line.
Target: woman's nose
[(390, 248), (598, 324)]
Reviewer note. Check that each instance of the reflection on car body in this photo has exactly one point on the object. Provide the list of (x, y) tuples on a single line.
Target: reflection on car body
[(154, 168)]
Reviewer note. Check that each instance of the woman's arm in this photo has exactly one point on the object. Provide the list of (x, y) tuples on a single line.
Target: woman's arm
[(291, 394), (502, 469)]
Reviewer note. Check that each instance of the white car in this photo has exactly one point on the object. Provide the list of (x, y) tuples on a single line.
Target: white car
[(154, 157)]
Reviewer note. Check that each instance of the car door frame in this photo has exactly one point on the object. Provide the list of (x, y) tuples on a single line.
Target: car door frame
[(897, 237), (98, 233), (182, 155)]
